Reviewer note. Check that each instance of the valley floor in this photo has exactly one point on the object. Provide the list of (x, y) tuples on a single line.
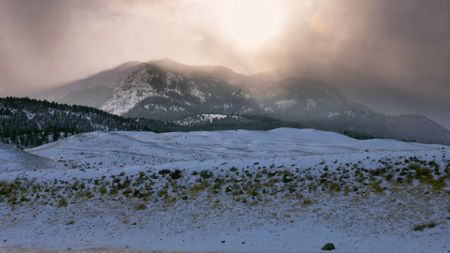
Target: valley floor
[(285, 190)]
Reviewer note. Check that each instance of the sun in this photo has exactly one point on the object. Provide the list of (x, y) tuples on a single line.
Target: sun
[(250, 23)]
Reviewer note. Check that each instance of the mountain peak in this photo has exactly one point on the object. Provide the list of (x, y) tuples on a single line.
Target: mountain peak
[(166, 62), (127, 65), (172, 65)]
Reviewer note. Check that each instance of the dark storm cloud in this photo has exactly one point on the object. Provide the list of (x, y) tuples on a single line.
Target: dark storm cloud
[(409, 37), (32, 35), (393, 55), (45, 41)]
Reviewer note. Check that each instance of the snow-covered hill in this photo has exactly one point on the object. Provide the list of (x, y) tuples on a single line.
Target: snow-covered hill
[(203, 149), (17, 161), (284, 190)]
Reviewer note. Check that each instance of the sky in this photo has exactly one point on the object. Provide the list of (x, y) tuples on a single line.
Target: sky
[(392, 55)]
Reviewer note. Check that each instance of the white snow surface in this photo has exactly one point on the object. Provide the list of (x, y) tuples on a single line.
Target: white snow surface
[(234, 229), (202, 118), (124, 98), (203, 149), (13, 160), (284, 104)]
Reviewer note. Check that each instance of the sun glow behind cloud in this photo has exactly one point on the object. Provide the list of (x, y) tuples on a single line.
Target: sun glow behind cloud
[(75, 38), (250, 24)]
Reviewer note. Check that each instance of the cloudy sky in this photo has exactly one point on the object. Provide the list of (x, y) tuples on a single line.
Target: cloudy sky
[(392, 55)]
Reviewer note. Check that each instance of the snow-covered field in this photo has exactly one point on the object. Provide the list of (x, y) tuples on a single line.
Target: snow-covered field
[(284, 190), (205, 150)]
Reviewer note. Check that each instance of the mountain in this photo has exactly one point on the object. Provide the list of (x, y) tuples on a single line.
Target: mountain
[(317, 105), (92, 91), (169, 91), (165, 90), (27, 122), (298, 98)]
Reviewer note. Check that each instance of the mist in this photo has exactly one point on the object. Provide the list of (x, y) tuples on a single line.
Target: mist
[(393, 56)]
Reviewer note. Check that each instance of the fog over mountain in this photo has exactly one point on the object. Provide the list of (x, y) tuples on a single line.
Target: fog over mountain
[(393, 56), (190, 95)]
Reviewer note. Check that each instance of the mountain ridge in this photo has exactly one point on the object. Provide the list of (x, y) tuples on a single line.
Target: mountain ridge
[(169, 91)]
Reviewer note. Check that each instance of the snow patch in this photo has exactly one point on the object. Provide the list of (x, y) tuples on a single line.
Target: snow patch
[(285, 104), (195, 92), (310, 104)]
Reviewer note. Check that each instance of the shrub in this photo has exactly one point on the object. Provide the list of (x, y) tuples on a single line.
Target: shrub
[(378, 172), (62, 202), (423, 226), (140, 207), (334, 187), (176, 174), (206, 174), (377, 187), (196, 189), (5, 189), (168, 200), (164, 172), (438, 184), (127, 192), (12, 200), (88, 194), (102, 190), (113, 191), (422, 174), (306, 202)]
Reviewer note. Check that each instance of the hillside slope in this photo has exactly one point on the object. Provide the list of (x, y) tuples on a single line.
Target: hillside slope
[(201, 148), (284, 190), (27, 122), (15, 160)]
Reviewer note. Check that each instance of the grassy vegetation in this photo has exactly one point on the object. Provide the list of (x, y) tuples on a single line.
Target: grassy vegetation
[(249, 186)]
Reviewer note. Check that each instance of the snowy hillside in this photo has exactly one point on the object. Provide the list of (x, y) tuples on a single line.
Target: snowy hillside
[(18, 161), (27, 123), (284, 190), (203, 150)]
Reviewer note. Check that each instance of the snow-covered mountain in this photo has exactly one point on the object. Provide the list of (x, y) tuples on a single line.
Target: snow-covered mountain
[(165, 90), (169, 91), (317, 105)]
